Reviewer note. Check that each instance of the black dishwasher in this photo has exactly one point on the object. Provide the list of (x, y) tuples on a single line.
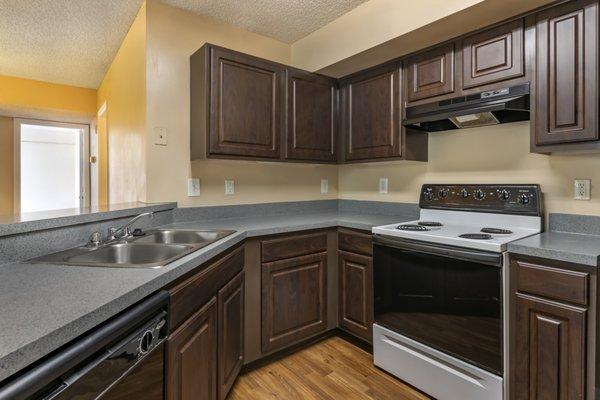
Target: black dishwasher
[(122, 359)]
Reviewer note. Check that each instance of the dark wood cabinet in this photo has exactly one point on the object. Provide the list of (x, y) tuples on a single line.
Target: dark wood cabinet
[(356, 294), (311, 121), (294, 300), (430, 73), (566, 76), (493, 55), (231, 333), (552, 330), (371, 115), (192, 357), (549, 350), (238, 100)]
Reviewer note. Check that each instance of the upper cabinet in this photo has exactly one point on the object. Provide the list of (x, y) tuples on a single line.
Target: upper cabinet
[(566, 78), (242, 97), (494, 55), (430, 74), (311, 116), (371, 115)]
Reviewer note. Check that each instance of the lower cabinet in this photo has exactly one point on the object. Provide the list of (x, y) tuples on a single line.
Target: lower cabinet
[(549, 330), (231, 333), (192, 357), (294, 300), (205, 350), (356, 294)]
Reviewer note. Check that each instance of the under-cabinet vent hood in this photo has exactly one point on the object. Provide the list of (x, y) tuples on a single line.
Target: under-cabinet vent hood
[(480, 109)]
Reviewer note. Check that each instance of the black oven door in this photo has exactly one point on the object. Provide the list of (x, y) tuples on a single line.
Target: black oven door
[(445, 297)]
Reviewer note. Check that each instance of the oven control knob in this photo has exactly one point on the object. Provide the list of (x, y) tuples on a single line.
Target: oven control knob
[(443, 193), (504, 195), (429, 194), (464, 193), (479, 194), (524, 199), (146, 342)]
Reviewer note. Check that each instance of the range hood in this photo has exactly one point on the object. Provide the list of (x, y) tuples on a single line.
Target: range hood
[(486, 108)]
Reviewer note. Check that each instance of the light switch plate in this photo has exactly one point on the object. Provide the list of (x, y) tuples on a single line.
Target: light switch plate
[(160, 136), (383, 185), (324, 186), (229, 187), (582, 189), (193, 187)]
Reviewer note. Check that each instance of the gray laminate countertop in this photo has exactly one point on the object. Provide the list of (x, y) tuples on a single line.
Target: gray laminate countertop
[(46, 306), (570, 247)]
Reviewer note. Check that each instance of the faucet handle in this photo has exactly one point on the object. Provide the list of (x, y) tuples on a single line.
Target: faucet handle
[(95, 239)]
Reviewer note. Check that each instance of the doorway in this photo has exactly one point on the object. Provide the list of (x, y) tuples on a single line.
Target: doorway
[(51, 165)]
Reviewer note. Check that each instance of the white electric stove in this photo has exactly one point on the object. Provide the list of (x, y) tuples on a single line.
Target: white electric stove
[(441, 288)]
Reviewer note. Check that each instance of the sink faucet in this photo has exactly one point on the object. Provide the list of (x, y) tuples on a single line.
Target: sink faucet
[(125, 230)]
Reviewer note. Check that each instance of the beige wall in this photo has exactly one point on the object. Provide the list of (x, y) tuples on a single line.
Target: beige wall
[(6, 165), (124, 91), (497, 154), (173, 35)]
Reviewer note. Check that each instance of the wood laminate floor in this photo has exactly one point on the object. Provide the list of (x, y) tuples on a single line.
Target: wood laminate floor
[(332, 369)]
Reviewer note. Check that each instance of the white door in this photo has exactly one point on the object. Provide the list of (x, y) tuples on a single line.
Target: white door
[(53, 170)]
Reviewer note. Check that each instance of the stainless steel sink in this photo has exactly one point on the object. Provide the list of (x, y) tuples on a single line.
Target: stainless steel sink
[(154, 250), (132, 255), (180, 236)]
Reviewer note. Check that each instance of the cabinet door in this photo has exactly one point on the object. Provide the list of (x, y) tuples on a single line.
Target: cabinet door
[(549, 350), (245, 105), (371, 115), (493, 55), (231, 333), (356, 294), (566, 84), (430, 73), (294, 300), (192, 357), (311, 119)]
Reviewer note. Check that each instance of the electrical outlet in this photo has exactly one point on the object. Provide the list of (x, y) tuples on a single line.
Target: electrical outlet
[(324, 186), (582, 189), (229, 187), (160, 136), (193, 187), (383, 185)]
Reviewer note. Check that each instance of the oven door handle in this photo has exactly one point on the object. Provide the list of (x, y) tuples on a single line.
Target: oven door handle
[(483, 257)]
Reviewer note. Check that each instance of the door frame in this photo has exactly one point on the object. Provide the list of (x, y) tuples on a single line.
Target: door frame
[(84, 160)]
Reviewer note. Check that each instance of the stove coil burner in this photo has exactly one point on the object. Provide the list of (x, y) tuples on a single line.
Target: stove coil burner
[(476, 236), (430, 223), (496, 231), (412, 227)]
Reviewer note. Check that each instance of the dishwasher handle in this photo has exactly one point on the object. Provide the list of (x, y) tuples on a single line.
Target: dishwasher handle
[(100, 341)]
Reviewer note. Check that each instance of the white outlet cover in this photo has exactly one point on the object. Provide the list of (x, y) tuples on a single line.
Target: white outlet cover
[(229, 187), (193, 187), (160, 136), (582, 189), (324, 186), (383, 185)]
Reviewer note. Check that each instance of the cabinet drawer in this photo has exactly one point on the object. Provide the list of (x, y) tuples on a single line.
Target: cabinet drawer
[(355, 242), (553, 283), (188, 296), (293, 246)]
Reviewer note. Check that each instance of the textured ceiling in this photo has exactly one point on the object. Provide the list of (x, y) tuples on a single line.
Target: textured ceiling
[(74, 41), (284, 20), (63, 41)]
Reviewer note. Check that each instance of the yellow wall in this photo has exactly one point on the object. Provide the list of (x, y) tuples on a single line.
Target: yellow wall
[(124, 91), (6, 166), (36, 99), (173, 35), (496, 154)]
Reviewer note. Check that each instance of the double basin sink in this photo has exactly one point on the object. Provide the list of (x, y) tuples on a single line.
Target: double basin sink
[(153, 250)]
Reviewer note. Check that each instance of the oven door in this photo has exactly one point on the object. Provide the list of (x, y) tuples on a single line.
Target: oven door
[(447, 298)]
